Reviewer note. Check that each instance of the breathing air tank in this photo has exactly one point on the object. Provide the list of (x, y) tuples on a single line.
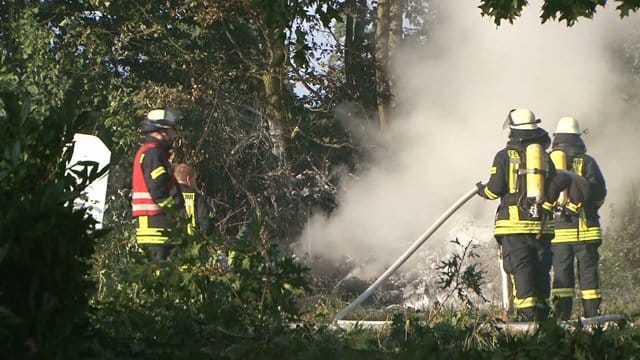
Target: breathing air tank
[(559, 159), (534, 154)]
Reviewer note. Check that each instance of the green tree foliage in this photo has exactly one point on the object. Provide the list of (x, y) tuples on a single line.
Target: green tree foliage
[(562, 10), (46, 243), (209, 58)]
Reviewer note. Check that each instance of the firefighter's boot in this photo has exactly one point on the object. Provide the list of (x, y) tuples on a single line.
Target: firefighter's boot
[(590, 307), (562, 308)]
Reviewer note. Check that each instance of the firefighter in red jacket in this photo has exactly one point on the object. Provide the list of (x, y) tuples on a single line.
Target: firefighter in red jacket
[(525, 180), (156, 197), (578, 233)]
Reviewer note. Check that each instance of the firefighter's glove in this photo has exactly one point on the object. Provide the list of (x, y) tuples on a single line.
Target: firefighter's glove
[(480, 190), (547, 210), (558, 210), (573, 208), (547, 206)]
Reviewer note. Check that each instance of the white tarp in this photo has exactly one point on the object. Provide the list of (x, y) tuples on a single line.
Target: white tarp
[(91, 148)]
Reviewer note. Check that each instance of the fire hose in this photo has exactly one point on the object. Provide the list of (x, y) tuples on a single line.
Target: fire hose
[(373, 287)]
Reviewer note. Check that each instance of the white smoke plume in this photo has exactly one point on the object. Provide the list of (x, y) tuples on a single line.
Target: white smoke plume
[(455, 94)]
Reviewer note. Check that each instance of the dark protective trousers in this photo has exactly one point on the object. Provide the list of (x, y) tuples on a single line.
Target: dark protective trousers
[(587, 259), (158, 252), (528, 261)]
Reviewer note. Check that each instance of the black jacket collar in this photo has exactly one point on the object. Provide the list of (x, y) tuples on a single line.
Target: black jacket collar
[(519, 139), (163, 143), (572, 144)]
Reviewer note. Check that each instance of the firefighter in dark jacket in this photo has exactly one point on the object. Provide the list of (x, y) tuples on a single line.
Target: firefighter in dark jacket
[(156, 198), (524, 179), (196, 208), (578, 232)]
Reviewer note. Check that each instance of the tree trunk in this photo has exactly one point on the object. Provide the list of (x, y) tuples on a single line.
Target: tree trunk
[(382, 61), (395, 37), (348, 43), (354, 44), (277, 117), (395, 26)]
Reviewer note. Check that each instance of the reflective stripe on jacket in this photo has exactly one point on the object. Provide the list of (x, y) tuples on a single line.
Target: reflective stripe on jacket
[(506, 183), (197, 210), (585, 224), (142, 200)]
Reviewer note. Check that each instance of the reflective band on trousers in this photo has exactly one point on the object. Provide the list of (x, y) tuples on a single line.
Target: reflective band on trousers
[(524, 303), (591, 294), (563, 292)]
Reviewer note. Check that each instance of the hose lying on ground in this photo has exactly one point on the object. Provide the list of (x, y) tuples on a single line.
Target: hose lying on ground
[(373, 287)]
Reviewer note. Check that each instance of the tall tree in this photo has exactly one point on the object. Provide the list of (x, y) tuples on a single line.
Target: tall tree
[(383, 25), (389, 33)]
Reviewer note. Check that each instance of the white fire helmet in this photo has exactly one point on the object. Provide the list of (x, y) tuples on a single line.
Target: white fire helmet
[(568, 125), (522, 119), (161, 119)]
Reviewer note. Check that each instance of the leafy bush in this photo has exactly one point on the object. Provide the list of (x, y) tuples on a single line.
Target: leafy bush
[(620, 260), (461, 277), (207, 298), (45, 243)]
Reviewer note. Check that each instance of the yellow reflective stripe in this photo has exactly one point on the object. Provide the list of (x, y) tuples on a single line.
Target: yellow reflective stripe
[(563, 292), (142, 158), (508, 227), (493, 170), (582, 221), (152, 240), (147, 235), (190, 209), (524, 303), (157, 172), (514, 213), (168, 202), (577, 165), (547, 205), (514, 166), (590, 294), (490, 194), (573, 235), (150, 232), (575, 207)]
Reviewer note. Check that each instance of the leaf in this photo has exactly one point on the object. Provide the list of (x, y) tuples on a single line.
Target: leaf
[(626, 6), (502, 9)]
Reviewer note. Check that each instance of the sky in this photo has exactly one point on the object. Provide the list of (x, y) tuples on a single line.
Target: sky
[(454, 96)]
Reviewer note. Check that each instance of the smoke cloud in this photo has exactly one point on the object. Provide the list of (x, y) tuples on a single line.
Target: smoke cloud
[(454, 95)]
